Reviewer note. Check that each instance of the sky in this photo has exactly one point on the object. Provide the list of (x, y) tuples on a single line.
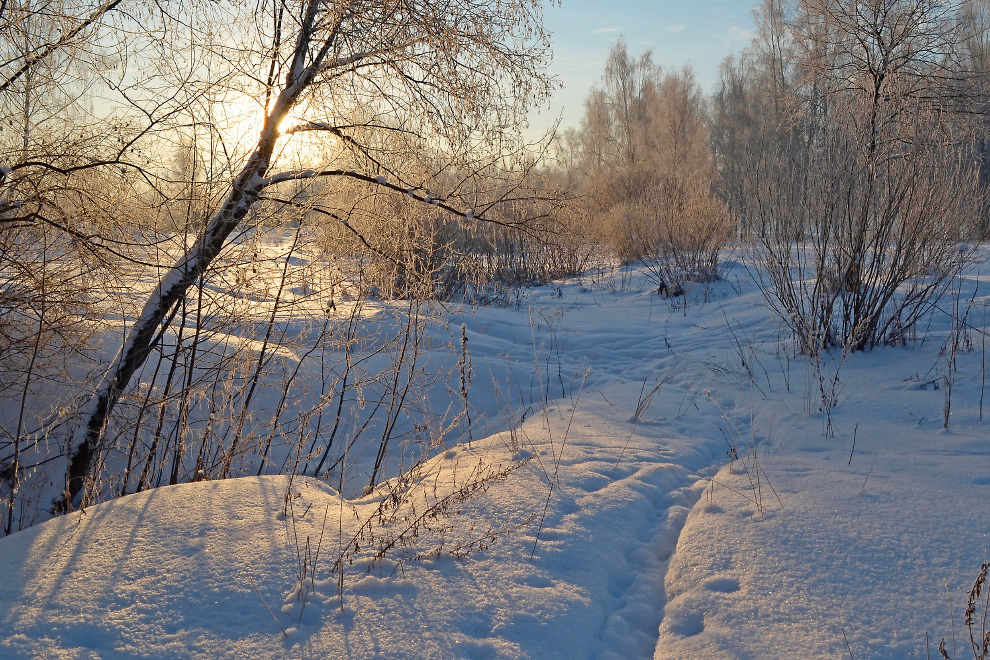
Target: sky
[(699, 33)]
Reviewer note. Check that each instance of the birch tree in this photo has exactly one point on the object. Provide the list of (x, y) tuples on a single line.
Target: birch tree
[(457, 76)]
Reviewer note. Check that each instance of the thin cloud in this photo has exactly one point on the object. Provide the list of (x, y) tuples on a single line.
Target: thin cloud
[(675, 28), (605, 30), (740, 33)]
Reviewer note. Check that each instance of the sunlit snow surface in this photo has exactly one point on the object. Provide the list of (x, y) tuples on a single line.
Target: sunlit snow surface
[(636, 540)]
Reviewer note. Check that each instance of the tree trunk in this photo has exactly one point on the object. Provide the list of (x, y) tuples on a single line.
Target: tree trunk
[(144, 334)]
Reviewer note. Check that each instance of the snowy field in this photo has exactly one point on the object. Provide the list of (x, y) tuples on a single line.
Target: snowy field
[(646, 477)]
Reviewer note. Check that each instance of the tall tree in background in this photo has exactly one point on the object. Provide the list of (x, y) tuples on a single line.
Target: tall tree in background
[(644, 149), (973, 84), (752, 107), (864, 187)]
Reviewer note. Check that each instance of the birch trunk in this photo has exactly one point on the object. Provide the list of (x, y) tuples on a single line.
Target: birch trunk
[(84, 444)]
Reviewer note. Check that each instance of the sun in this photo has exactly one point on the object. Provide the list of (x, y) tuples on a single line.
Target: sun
[(239, 123)]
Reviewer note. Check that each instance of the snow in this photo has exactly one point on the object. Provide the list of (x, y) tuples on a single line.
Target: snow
[(674, 490)]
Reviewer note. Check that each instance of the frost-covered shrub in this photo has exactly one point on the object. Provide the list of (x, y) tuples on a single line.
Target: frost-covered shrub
[(855, 246), (680, 229)]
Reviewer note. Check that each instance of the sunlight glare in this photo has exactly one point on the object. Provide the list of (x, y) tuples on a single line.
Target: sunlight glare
[(241, 124)]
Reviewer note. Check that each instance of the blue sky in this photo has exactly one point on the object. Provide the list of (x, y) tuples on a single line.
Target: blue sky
[(700, 33)]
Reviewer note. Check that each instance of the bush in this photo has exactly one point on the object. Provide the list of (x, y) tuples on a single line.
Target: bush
[(857, 244)]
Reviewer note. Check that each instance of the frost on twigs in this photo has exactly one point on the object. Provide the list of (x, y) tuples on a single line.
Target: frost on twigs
[(419, 516), (153, 233)]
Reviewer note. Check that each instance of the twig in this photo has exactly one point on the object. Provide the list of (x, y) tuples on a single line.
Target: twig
[(556, 465), (851, 451), (848, 648), (274, 618), (869, 472)]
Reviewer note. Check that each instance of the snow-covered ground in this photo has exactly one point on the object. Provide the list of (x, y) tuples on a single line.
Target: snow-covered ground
[(660, 482)]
